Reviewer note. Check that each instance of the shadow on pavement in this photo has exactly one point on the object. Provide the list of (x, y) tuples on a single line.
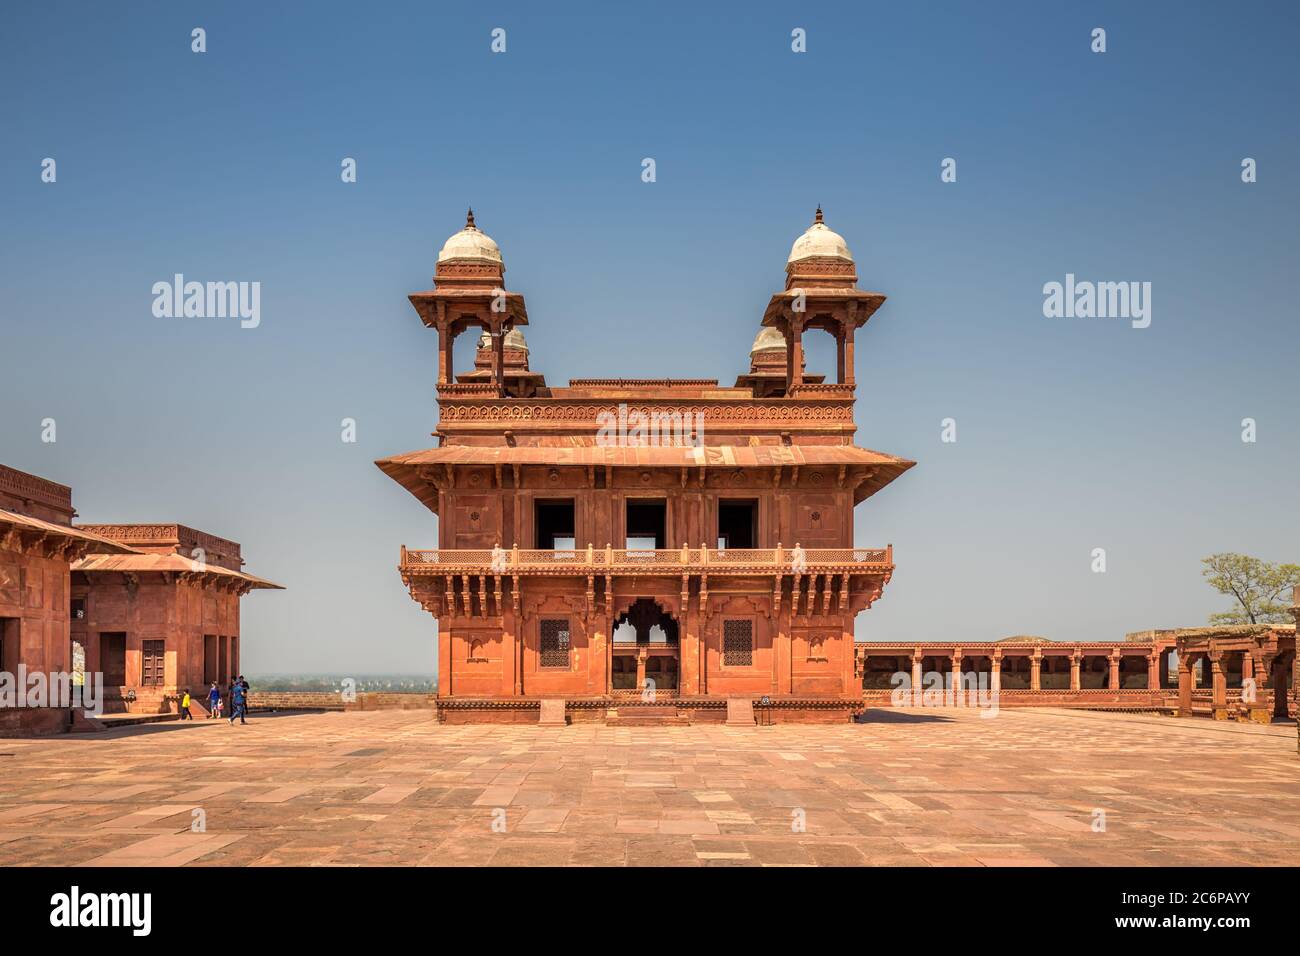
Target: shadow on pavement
[(899, 717), (165, 726)]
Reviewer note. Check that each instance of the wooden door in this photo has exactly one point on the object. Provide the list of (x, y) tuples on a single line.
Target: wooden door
[(152, 663)]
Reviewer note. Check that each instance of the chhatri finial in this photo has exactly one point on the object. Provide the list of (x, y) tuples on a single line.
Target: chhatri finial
[(469, 219), (819, 215)]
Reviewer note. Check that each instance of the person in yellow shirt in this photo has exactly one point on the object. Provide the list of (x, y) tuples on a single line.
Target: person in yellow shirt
[(185, 706)]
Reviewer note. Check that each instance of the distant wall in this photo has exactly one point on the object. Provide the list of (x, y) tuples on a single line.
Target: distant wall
[(324, 700)]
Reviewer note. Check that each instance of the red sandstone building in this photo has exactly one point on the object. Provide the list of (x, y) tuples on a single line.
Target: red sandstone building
[(581, 555), (38, 546), (163, 618), (154, 608)]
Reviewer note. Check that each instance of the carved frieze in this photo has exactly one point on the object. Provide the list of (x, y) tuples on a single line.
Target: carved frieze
[(777, 410)]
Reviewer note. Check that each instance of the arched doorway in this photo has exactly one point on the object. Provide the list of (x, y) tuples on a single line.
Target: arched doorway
[(645, 650)]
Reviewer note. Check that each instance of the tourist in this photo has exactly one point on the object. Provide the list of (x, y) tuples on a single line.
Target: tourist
[(237, 702), (244, 684), (185, 706), (214, 701)]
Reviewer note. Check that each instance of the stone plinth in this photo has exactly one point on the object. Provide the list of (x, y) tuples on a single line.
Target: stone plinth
[(552, 713), (740, 712)]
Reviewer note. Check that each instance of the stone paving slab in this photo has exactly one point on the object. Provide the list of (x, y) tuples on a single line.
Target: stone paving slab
[(910, 788)]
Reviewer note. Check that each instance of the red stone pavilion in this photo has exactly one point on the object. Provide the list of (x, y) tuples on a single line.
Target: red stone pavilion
[(163, 618), (582, 557)]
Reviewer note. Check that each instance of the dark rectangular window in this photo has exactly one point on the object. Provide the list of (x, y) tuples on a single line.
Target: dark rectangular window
[(78, 609), (555, 642), (554, 525), (647, 521), (737, 643), (737, 524)]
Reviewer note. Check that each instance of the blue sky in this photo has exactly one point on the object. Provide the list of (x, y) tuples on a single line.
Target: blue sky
[(1072, 433)]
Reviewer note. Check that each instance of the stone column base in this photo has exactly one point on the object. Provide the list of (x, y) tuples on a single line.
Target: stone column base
[(1257, 715)]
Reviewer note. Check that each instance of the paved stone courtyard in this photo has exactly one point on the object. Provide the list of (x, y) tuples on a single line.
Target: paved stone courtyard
[(939, 788)]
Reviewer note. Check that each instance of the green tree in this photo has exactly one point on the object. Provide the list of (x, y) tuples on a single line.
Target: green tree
[(1262, 590)]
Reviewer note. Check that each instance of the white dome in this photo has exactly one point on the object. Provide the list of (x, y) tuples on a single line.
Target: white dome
[(470, 243), (514, 340), (769, 339), (820, 240)]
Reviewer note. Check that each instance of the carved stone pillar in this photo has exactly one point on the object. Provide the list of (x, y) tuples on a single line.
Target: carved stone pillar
[(1112, 678), (689, 634), (509, 653), (848, 353), (444, 659), (1218, 686), (1075, 660), (598, 630), (446, 341), (1036, 670), (782, 681), (1185, 681), (793, 351), (917, 676), (995, 674), (498, 358), (851, 682), (1153, 671)]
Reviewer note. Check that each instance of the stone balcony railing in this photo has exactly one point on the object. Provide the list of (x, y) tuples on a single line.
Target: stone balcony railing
[(684, 560)]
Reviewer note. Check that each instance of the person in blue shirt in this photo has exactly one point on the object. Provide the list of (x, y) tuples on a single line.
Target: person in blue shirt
[(214, 698), (237, 702)]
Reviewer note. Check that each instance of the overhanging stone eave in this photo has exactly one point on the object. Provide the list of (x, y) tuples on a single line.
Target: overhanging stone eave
[(424, 302), (868, 303), (883, 475), (409, 478)]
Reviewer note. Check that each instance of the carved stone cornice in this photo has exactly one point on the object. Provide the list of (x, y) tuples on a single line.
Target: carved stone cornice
[(836, 407), (34, 488)]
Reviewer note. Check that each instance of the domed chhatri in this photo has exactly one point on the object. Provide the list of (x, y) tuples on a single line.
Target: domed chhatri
[(820, 241), (821, 292), (767, 369), (768, 340), (469, 292), (514, 340), (470, 245)]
